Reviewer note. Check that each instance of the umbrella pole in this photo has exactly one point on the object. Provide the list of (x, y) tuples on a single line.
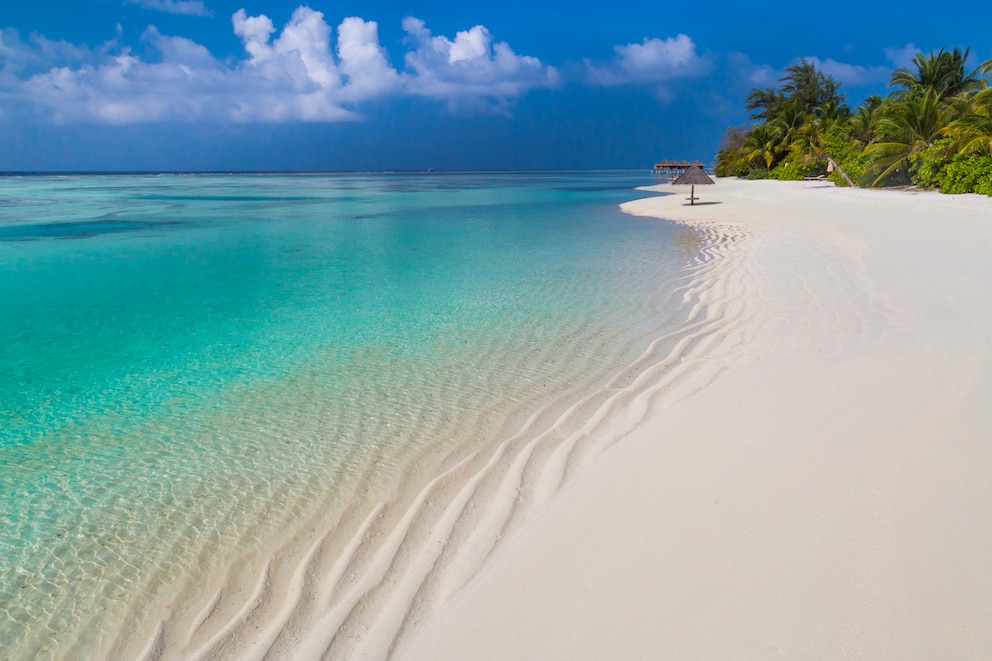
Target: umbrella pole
[(692, 195)]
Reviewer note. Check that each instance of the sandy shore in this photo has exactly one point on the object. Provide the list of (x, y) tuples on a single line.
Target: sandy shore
[(803, 469), (815, 480)]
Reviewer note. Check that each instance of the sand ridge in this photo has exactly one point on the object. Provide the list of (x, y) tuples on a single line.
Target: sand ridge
[(824, 495), (801, 470), (362, 589)]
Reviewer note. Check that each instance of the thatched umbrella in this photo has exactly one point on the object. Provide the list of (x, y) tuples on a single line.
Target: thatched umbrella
[(691, 177)]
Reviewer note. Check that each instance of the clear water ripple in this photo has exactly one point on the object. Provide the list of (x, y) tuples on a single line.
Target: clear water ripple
[(195, 367)]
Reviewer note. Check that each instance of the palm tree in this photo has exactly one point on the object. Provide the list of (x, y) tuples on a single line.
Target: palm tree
[(942, 73), (911, 125), (803, 87), (809, 141), (864, 121), (763, 142), (972, 130), (787, 118), (833, 111), (986, 67)]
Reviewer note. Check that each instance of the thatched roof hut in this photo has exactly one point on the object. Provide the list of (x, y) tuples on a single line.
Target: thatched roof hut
[(693, 176)]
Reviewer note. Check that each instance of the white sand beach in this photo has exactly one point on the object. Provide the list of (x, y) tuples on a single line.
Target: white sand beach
[(815, 483), (801, 471)]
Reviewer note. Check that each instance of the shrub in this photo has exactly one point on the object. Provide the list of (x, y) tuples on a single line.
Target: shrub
[(855, 164), (929, 163), (786, 171), (966, 173), (849, 155), (795, 167)]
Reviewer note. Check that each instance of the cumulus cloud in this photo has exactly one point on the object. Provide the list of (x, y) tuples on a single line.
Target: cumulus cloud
[(188, 82), (303, 72), (187, 7), (470, 65), (651, 61), (363, 61)]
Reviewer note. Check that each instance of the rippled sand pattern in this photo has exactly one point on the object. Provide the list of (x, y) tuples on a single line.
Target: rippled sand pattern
[(205, 375)]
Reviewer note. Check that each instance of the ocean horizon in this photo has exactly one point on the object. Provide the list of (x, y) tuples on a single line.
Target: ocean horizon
[(201, 368)]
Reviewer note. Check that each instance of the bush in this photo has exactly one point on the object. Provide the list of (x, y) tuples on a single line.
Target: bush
[(796, 168), (855, 163), (855, 166), (786, 171), (966, 173), (929, 163), (961, 173)]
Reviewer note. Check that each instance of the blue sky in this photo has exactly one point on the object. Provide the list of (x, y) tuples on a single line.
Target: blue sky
[(344, 85)]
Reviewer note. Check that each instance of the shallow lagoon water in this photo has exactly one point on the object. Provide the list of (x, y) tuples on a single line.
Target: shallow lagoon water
[(195, 366)]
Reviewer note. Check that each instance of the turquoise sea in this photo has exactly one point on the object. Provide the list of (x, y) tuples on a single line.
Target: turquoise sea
[(193, 368)]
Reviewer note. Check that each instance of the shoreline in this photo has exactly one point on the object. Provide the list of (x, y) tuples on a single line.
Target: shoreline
[(360, 591), (825, 494), (356, 586)]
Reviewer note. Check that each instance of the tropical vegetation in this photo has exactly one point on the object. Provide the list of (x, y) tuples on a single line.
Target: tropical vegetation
[(933, 130)]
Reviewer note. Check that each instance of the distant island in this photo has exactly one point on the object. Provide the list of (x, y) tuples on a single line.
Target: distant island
[(934, 130)]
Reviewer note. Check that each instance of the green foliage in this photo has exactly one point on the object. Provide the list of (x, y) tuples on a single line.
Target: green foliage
[(796, 166), (967, 173), (763, 103), (804, 90), (763, 144), (934, 130), (729, 159), (855, 163), (909, 125), (942, 74), (929, 162), (810, 88), (848, 153), (972, 128), (787, 144), (786, 171), (864, 122)]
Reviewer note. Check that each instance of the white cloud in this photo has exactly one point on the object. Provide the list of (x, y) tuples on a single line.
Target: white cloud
[(296, 74), (851, 74), (902, 57), (299, 59), (652, 61), (39, 53), (363, 61), (471, 65), (187, 7), (124, 89), (751, 74)]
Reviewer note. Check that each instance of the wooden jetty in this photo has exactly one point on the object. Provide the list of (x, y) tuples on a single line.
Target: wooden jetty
[(675, 168)]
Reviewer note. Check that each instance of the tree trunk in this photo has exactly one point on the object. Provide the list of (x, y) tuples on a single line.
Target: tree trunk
[(850, 182)]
